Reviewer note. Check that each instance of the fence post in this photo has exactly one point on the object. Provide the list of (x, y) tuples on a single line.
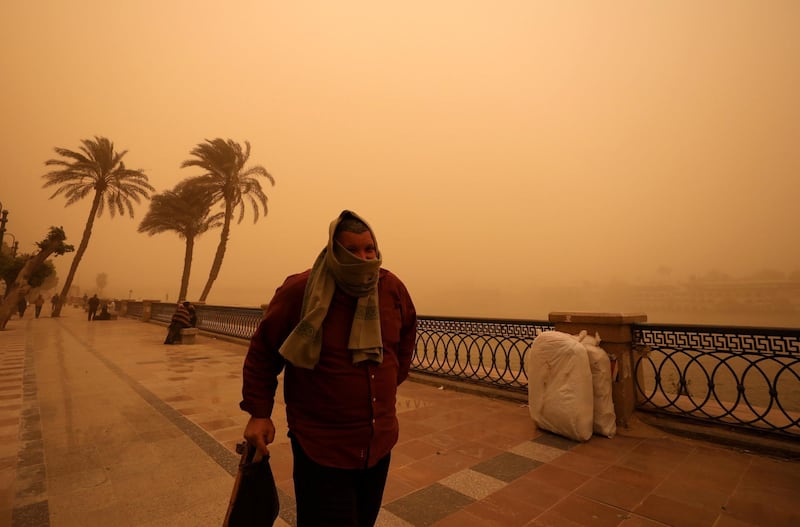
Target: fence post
[(616, 338), (122, 310), (147, 310)]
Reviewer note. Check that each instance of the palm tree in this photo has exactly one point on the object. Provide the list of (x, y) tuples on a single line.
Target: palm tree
[(97, 168), (228, 182), (187, 211)]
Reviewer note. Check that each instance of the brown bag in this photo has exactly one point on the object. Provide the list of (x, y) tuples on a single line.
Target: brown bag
[(254, 500)]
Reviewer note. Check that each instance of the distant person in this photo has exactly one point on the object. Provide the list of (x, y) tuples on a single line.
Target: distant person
[(54, 304), (93, 304), (22, 305), (112, 307), (343, 335), (38, 303), (182, 318), (104, 314)]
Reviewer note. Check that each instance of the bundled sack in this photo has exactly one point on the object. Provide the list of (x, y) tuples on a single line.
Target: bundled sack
[(605, 419), (560, 396)]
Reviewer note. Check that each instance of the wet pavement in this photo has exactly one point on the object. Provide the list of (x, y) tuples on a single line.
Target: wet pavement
[(102, 424)]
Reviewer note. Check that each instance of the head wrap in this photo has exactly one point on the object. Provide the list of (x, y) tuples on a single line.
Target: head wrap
[(337, 267)]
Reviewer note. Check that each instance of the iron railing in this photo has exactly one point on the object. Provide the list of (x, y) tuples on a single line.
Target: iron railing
[(231, 321), (239, 322), (745, 377), (482, 351), (135, 309), (742, 377), (162, 312)]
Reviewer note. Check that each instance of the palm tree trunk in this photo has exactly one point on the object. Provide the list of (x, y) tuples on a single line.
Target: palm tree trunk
[(87, 233), (223, 243), (187, 268)]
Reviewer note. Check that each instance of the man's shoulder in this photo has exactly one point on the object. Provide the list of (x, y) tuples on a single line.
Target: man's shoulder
[(294, 283), (297, 278), (389, 279)]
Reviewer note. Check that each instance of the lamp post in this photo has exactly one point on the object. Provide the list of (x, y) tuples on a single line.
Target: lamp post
[(3, 221), (14, 246)]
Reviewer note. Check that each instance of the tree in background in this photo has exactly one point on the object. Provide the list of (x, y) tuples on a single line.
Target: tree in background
[(230, 183), (102, 281), (44, 277), (186, 211), (97, 170), (27, 275)]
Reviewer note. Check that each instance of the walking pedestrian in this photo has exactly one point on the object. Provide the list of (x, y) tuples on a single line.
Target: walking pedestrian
[(22, 305), (38, 303), (343, 334), (93, 304)]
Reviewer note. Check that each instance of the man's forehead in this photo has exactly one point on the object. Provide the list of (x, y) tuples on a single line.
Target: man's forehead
[(351, 224)]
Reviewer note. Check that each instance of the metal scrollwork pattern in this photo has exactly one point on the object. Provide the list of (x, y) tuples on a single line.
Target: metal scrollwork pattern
[(237, 322), (162, 312), (744, 377), (483, 351), (135, 310)]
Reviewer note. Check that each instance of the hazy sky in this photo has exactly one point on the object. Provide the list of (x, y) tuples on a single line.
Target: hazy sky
[(494, 146)]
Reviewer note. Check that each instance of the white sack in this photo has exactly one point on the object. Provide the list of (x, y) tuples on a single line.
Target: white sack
[(560, 385), (605, 420)]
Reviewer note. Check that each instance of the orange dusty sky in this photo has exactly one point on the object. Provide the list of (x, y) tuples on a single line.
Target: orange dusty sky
[(496, 147)]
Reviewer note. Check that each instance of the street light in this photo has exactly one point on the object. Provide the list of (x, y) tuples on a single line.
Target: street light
[(3, 220), (14, 246)]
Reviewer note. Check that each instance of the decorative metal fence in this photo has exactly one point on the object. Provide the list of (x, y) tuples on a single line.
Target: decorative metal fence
[(239, 322), (135, 309), (162, 312), (231, 321), (483, 351), (743, 377)]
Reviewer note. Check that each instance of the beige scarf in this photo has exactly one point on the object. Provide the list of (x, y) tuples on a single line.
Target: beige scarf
[(336, 266)]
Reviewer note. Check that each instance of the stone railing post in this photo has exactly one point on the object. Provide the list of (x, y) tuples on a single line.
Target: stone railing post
[(147, 310), (616, 338)]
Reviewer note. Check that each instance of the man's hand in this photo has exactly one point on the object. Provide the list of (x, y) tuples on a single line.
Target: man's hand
[(260, 432)]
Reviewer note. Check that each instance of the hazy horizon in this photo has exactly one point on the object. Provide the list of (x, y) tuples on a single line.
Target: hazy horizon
[(496, 148)]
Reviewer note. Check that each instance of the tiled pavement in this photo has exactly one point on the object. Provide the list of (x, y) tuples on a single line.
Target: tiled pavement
[(101, 424)]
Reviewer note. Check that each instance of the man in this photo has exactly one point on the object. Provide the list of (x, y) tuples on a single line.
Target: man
[(38, 303), (183, 318), (94, 303), (344, 331), (54, 304)]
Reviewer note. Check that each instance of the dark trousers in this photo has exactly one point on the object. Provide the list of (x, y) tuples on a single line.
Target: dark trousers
[(174, 333), (334, 497), (92, 313), (38, 311)]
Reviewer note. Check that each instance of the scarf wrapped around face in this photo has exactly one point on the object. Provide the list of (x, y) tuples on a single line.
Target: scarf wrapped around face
[(336, 266)]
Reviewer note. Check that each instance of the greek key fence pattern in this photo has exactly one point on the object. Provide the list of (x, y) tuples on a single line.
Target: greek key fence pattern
[(742, 377)]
